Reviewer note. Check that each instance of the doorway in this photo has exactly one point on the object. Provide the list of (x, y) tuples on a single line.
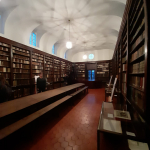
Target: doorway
[(91, 75)]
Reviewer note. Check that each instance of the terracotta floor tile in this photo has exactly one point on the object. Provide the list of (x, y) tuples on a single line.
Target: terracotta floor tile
[(75, 129)]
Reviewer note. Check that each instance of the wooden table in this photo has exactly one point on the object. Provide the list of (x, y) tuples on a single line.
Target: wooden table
[(9, 107)]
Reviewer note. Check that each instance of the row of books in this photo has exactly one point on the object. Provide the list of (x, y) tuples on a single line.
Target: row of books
[(36, 71), (20, 50), (138, 67), (80, 75), (81, 71), (124, 77), (124, 45), (21, 92), (4, 69), (23, 76), (124, 59), (49, 63), (124, 88), (140, 38), (18, 70), (37, 57), (137, 82), (124, 67), (48, 69), (49, 66), (4, 53), (35, 60), (103, 72), (4, 49), (37, 67), (56, 79), (134, 11), (18, 57), (6, 58), (4, 63), (124, 51), (6, 75), (137, 97), (37, 64), (137, 54), (49, 76), (48, 72), (21, 82), (21, 53), (4, 44), (36, 54), (125, 38), (15, 65), (21, 61), (137, 31), (137, 17)]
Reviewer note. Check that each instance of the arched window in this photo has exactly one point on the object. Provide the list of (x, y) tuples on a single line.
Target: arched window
[(65, 56), (33, 39), (53, 50)]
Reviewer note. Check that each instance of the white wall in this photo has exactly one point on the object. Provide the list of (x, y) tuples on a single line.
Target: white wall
[(104, 54)]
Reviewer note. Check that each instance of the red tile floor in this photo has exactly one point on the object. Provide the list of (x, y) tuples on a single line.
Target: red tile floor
[(76, 129)]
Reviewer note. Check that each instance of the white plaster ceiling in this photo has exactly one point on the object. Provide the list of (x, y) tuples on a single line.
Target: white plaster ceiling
[(94, 24)]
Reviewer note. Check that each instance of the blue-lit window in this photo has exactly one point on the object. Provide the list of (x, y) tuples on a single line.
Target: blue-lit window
[(33, 39), (91, 56), (91, 75), (53, 50), (65, 56)]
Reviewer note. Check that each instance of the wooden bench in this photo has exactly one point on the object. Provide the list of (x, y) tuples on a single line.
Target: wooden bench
[(9, 109), (85, 89), (17, 125)]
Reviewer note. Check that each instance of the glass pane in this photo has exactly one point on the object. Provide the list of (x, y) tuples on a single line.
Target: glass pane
[(89, 74), (93, 75)]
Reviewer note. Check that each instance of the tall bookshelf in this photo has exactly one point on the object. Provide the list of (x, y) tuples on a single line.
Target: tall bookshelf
[(57, 73), (5, 63), (21, 72), (133, 38), (124, 60), (80, 71), (102, 70), (37, 64), (137, 55), (49, 74)]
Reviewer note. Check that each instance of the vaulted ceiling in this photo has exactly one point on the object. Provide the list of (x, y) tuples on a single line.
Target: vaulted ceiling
[(94, 24)]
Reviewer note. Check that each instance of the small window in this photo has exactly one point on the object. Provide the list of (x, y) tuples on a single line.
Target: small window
[(91, 56), (33, 39), (91, 75), (65, 55), (53, 50)]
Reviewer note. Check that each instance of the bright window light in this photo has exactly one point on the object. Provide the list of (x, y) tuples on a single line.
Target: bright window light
[(91, 56)]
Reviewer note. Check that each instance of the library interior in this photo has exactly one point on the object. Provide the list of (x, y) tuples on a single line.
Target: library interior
[(74, 74)]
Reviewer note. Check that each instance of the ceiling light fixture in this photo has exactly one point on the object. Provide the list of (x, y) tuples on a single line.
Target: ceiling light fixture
[(84, 56), (69, 44)]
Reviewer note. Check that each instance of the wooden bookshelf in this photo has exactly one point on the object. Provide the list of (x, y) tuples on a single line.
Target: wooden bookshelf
[(5, 64), (134, 40), (19, 64), (102, 70), (21, 72), (80, 71)]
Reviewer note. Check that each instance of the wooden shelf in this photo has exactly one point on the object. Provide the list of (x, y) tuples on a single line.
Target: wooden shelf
[(138, 46), (136, 73), (137, 88), (138, 59), (21, 55), (138, 17)]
